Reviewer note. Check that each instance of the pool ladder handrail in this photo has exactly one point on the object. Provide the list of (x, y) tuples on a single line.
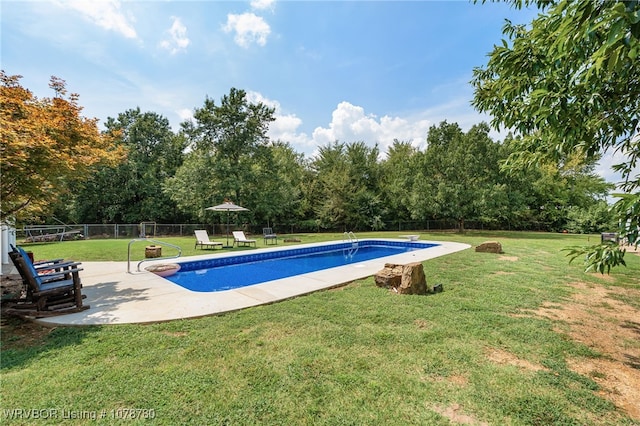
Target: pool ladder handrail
[(351, 237), (354, 244), (149, 240)]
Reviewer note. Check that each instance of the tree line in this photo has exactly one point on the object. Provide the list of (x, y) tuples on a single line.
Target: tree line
[(224, 153)]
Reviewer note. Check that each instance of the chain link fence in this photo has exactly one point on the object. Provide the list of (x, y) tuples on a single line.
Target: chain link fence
[(35, 233)]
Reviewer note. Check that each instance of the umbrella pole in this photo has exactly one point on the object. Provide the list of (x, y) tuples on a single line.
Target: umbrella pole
[(227, 228)]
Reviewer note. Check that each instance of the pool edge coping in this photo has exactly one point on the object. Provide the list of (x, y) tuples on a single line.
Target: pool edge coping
[(117, 297)]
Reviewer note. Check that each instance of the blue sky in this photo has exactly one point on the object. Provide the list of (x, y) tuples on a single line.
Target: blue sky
[(334, 70)]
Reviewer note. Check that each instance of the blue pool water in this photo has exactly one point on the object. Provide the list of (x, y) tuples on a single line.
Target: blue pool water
[(225, 273)]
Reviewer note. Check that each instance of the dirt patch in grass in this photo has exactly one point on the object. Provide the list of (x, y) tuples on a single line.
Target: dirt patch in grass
[(422, 324), (11, 286), (455, 414), (175, 333), (455, 379), (505, 358), (604, 277), (598, 317), (458, 380), (631, 249), (509, 258)]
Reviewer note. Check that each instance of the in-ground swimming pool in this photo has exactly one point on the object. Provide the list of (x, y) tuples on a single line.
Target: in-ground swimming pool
[(225, 273)]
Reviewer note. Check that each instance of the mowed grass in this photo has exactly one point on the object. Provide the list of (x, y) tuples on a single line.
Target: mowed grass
[(354, 355)]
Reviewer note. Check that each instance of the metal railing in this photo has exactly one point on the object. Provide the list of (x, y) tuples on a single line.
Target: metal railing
[(351, 251), (351, 237), (150, 259)]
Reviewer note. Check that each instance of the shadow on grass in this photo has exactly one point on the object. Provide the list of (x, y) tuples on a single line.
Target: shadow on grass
[(632, 361), (633, 326), (23, 340)]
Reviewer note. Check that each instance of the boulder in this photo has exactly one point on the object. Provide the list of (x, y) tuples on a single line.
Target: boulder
[(413, 279), (489, 247), (403, 279), (390, 276)]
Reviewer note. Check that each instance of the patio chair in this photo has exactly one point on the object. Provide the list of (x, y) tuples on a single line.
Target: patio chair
[(202, 240), (239, 238), (45, 272), (51, 289), (268, 235), (44, 268)]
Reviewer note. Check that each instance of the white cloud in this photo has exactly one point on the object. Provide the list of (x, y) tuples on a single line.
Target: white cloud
[(257, 97), (248, 29), (184, 114), (349, 123), (285, 127), (178, 40), (262, 4), (610, 158), (104, 13)]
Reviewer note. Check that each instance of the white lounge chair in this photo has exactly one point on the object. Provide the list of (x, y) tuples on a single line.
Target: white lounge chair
[(239, 238), (202, 240)]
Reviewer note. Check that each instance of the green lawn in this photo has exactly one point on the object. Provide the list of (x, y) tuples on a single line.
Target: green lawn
[(355, 355)]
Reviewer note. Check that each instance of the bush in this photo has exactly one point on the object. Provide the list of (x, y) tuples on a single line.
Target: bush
[(592, 220)]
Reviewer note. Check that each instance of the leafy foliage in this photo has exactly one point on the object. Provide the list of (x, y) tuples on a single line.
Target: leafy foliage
[(131, 192), (224, 152), (627, 211), (592, 219), (46, 145), (229, 155), (348, 186), (458, 175), (398, 177), (600, 257), (570, 85)]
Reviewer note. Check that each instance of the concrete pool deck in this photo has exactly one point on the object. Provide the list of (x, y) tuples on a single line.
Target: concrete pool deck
[(119, 297)]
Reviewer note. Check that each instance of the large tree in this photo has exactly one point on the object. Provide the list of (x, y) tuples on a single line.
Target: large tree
[(229, 154), (458, 177), (132, 191), (349, 186), (570, 84), (279, 192), (398, 175), (46, 146)]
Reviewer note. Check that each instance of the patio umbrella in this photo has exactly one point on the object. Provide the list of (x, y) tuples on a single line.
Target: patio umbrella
[(227, 206)]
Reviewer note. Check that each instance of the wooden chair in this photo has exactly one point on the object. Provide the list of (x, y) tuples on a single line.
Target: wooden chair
[(53, 288)]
